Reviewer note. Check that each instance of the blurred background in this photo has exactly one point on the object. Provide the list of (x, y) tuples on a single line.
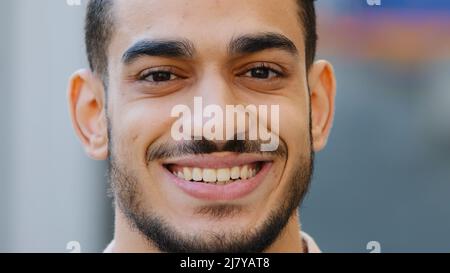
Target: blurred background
[(384, 176)]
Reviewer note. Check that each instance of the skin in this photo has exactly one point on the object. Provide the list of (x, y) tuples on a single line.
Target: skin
[(139, 111)]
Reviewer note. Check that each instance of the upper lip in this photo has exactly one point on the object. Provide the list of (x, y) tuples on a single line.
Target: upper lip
[(217, 160)]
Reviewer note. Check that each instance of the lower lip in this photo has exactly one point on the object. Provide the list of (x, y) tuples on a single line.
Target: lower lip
[(211, 192)]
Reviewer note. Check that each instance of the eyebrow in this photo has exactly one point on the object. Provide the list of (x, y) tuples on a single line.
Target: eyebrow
[(183, 48), (248, 44), (159, 48)]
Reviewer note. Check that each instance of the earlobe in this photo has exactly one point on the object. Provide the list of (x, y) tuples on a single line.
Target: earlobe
[(86, 105), (323, 91)]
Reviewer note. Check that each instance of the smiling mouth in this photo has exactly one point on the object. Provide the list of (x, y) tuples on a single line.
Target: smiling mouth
[(216, 176), (221, 176)]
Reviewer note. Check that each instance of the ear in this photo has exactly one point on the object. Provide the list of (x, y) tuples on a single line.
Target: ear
[(86, 104), (322, 85)]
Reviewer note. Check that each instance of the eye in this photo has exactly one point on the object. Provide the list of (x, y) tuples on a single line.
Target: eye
[(262, 72), (158, 76)]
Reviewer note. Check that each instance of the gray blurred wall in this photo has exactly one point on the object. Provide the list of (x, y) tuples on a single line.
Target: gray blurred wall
[(50, 192)]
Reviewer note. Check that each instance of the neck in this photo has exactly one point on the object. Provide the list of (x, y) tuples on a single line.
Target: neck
[(129, 240)]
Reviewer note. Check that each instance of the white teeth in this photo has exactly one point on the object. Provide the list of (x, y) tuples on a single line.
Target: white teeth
[(187, 173), (235, 172), (223, 175), (244, 172), (218, 176), (209, 175), (197, 174)]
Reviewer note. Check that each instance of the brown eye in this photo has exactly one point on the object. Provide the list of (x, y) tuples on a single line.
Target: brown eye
[(159, 76), (262, 73), (263, 76)]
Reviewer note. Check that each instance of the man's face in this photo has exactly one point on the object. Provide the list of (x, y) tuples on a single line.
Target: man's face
[(243, 214)]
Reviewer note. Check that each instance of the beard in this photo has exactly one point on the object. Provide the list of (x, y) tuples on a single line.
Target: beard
[(166, 237)]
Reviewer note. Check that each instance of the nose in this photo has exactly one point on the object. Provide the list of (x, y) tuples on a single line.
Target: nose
[(215, 88), (215, 95)]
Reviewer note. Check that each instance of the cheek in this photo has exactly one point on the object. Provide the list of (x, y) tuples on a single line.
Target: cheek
[(136, 126), (294, 126)]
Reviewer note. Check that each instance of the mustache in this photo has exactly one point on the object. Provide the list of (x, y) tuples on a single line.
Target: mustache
[(205, 146)]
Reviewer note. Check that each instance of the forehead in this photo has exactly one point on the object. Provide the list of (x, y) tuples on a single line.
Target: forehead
[(209, 24)]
